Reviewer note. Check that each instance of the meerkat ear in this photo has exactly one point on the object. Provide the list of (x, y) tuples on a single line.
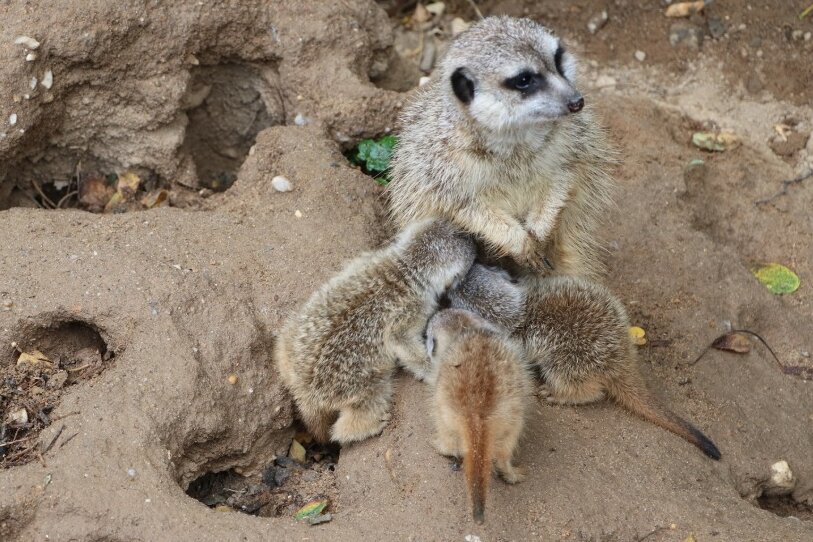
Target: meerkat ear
[(462, 85)]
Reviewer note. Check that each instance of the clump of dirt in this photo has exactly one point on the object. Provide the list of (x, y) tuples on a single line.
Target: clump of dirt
[(281, 489), (32, 384)]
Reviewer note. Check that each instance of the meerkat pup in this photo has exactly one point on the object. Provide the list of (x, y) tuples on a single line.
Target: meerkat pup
[(481, 392), (500, 143), (338, 353), (576, 333)]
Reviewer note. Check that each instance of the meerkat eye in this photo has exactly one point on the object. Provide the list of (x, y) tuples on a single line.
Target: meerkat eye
[(526, 82), (521, 81), (557, 59)]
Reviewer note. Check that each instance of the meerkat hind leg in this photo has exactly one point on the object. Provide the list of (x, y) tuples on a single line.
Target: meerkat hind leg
[(582, 393), (503, 456), (447, 439), (363, 419), (317, 420)]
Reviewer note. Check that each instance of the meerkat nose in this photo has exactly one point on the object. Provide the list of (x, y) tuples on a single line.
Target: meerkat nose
[(576, 103)]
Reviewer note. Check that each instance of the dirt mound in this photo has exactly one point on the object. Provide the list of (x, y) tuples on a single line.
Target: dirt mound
[(162, 322)]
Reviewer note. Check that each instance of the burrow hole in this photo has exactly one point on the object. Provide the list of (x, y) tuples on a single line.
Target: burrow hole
[(44, 363), (227, 106), (785, 506), (282, 488)]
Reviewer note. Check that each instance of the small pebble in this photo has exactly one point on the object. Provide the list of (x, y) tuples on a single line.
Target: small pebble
[(28, 43), (423, 80), (18, 417), (48, 79), (436, 8), (7, 303), (232, 379), (781, 476), (281, 184), (12, 119), (808, 36), (597, 21), (33, 83), (300, 120), (640, 56), (459, 25), (298, 213), (31, 57), (131, 472), (797, 35)]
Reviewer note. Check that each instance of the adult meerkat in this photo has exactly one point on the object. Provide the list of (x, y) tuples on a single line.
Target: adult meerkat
[(481, 391), (500, 143), (577, 334), (339, 352)]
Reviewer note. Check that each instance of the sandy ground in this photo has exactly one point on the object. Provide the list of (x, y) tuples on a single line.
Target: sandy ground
[(176, 308)]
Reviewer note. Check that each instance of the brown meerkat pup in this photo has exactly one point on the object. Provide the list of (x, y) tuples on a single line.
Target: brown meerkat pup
[(500, 143), (482, 388), (338, 353), (576, 333)]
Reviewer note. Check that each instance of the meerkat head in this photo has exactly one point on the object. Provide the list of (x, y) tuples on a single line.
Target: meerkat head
[(449, 326), (509, 73), (439, 253), (491, 293)]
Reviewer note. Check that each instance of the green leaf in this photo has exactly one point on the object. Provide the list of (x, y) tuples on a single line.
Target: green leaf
[(312, 509), (777, 278), (375, 154)]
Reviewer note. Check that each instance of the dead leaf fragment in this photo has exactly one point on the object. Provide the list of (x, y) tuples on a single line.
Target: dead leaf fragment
[(732, 342), (690, 538), (637, 335), (156, 198), (711, 141), (685, 9), (35, 357), (232, 379), (297, 452), (127, 185), (95, 192)]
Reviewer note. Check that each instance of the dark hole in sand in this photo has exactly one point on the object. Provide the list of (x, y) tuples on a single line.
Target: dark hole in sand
[(784, 506), (44, 363), (282, 488)]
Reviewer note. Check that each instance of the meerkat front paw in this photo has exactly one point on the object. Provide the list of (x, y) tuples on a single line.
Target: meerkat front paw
[(533, 256)]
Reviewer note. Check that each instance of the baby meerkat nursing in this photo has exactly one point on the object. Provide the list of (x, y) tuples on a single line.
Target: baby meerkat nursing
[(500, 143), (481, 391), (339, 352), (577, 334)]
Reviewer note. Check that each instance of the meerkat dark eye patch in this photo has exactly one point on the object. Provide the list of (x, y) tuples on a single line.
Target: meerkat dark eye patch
[(462, 86), (526, 82), (557, 59)]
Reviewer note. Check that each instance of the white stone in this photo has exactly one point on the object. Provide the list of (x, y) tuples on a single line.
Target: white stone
[(18, 417), (300, 120), (640, 56), (31, 57), (48, 79), (298, 213), (28, 43), (782, 476), (423, 80), (459, 25), (12, 119), (436, 8), (281, 184), (33, 83)]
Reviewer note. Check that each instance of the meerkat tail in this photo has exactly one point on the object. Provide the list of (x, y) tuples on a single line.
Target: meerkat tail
[(641, 402), (477, 463)]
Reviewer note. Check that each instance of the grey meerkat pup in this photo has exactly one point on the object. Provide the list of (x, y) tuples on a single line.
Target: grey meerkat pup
[(576, 333), (482, 388), (338, 353), (501, 143)]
